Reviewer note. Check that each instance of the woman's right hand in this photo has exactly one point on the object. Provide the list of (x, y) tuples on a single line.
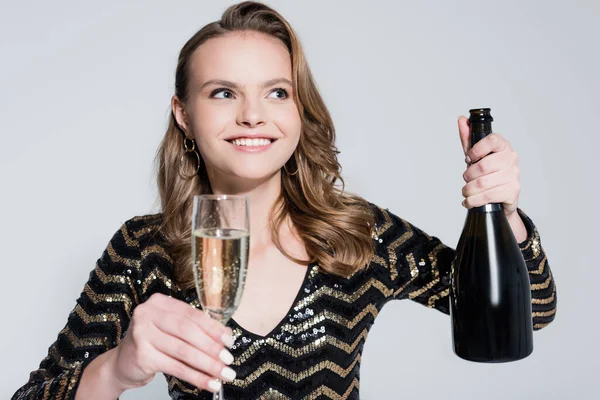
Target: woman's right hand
[(169, 336)]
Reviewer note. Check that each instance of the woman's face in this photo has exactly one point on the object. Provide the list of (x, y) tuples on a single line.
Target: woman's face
[(241, 108)]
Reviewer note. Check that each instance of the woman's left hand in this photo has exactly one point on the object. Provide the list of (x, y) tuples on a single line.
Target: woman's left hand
[(492, 173)]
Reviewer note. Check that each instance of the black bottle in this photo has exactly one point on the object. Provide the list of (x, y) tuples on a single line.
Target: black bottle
[(490, 296)]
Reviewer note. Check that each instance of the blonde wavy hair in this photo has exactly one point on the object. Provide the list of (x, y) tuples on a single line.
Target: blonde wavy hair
[(334, 225)]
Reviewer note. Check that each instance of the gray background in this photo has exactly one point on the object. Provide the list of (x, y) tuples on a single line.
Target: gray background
[(84, 100)]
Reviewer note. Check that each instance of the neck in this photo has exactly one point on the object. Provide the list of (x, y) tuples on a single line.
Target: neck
[(262, 195)]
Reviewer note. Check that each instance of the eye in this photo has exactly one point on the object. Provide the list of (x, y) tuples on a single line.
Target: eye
[(222, 93), (280, 93)]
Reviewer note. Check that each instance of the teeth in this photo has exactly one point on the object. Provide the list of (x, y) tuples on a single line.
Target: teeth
[(251, 142)]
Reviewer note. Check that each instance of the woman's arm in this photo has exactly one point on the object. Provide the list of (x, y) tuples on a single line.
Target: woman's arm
[(420, 265), (97, 324)]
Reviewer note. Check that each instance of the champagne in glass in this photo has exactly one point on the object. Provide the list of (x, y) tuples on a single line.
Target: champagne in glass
[(220, 245)]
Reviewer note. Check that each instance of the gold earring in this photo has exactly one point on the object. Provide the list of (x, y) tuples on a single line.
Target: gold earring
[(288, 172), (189, 148)]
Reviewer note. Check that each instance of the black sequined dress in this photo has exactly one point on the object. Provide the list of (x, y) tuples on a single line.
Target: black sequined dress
[(315, 351)]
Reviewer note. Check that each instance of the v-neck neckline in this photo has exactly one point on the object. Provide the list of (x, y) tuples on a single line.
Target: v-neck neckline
[(299, 295)]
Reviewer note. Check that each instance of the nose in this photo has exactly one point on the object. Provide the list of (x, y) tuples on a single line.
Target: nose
[(251, 114)]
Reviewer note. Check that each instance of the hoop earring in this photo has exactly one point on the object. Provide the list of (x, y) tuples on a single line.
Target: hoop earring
[(288, 172), (189, 149)]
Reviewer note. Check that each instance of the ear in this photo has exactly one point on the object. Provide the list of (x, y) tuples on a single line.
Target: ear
[(179, 113)]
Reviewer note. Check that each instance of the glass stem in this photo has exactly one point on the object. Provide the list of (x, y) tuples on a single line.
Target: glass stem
[(219, 395)]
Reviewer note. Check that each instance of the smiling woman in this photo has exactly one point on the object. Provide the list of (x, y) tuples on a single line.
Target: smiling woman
[(247, 119)]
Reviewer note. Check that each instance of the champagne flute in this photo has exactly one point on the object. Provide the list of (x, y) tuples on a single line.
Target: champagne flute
[(220, 246)]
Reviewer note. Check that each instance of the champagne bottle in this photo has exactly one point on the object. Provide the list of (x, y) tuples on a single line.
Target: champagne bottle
[(490, 296)]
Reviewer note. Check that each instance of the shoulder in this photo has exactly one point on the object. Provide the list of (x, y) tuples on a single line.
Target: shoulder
[(395, 234), (135, 236), (140, 252), (142, 225)]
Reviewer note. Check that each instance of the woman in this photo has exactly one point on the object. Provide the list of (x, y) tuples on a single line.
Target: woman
[(247, 119)]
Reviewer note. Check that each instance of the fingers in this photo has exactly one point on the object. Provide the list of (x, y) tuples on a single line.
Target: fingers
[(492, 163), (465, 133), (216, 330), (193, 357), (487, 182), (493, 143), (178, 369), (183, 328), (507, 194)]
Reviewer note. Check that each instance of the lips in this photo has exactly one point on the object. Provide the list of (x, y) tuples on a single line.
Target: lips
[(254, 135)]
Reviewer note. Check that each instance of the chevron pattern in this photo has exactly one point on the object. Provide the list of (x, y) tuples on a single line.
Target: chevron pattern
[(315, 351)]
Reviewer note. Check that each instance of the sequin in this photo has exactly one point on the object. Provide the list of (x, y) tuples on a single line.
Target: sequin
[(317, 348)]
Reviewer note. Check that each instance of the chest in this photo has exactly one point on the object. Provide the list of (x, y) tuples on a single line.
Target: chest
[(269, 293)]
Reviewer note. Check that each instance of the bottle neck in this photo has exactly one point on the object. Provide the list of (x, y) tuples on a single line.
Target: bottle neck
[(479, 130)]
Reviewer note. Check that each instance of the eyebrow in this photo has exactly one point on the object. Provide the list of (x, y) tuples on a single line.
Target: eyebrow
[(234, 85)]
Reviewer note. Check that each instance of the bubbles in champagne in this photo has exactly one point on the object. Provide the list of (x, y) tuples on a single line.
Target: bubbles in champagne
[(220, 262)]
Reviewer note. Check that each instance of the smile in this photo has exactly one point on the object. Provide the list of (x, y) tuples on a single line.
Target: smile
[(251, 142), (252, 145)]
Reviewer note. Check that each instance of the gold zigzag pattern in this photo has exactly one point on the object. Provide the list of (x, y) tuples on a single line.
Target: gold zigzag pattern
[(412, 265), (304, 350), (156, 274), (379, 260), (84, 342), (110, 298), (544, 285), (326, 391), (117, 279), (107, 317), (295, 377), (534, 236), (176, 383), (326, 314), (322, 390), (541, 268), (114, 257), (60, 360), (128, 240), (156, 249), (272, 394), (386, 225), (435, 297), (433, 259), (326, 290), (423, 289), (544, 313), (147, 229), (392, 251), (414, 273), (547, 300)]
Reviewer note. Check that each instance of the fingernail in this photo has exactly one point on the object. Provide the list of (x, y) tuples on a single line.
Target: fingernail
[(226, 357), (227, 339), (214, 385), (468, 159), (463, 203), (228, 374)]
